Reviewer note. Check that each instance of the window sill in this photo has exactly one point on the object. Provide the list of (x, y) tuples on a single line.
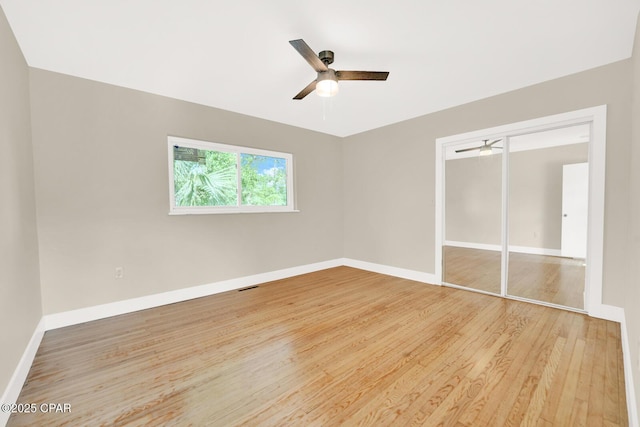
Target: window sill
[(223, 212)]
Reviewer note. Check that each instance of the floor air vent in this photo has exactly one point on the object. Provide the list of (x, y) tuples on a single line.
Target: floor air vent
[(246, 289)]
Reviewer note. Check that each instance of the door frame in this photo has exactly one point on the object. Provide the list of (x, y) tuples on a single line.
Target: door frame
[(597, 118)]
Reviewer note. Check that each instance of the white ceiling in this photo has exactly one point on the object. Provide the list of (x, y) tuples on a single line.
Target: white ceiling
[(235, 55)]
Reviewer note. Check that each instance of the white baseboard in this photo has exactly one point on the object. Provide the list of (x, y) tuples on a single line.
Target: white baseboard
[(632, 409), (19, 376), (535, 251), (607, 312), (519, 249), (73, 317), (471, 245), (404, 273)]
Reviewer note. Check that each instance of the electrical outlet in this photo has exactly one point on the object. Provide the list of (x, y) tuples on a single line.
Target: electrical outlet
[(119, 272)]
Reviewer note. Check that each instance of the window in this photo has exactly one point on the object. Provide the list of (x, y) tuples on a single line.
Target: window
[(206, 177)]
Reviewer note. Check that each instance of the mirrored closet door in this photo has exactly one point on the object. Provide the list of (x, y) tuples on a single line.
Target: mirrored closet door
[(547, 214), (473, 210), (515, 205)]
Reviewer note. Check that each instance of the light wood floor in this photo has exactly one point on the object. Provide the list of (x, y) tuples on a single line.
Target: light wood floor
[(550, 279), (336, 347)]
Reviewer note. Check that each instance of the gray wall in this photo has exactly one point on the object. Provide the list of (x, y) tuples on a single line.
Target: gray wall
[(101, 179), (20, 306), (389, 172), (474, 197), (632, 301), (535, 194)]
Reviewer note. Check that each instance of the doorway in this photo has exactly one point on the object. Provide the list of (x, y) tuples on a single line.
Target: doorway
[(575, 204), (504, 224)]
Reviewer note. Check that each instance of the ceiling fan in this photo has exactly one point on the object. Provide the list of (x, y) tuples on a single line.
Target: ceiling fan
[(327, 82), (485, 149)]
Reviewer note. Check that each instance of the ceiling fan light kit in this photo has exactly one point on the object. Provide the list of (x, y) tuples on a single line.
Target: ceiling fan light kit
[(485, 151), (326, 84)]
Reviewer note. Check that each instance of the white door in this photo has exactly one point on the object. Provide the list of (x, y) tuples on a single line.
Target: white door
[(575, 199)]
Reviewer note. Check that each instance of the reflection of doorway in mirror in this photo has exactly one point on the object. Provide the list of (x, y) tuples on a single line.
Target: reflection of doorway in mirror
[(575, 205)]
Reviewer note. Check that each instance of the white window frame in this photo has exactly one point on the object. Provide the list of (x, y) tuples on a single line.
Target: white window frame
[(239, 208)]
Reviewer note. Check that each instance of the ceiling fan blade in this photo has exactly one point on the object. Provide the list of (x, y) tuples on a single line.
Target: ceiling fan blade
[(362, 75), (493, 142), (306, 91), (308, 54), (468, 149), (497, 147)]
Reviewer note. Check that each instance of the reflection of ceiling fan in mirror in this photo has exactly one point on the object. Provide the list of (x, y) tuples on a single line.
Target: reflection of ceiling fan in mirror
[(485, 149)]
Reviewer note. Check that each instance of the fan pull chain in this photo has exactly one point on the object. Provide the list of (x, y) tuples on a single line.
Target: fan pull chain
[(327, 106)]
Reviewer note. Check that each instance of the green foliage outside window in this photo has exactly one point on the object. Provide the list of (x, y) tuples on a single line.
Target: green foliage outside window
[(264, 180), (209, 178)]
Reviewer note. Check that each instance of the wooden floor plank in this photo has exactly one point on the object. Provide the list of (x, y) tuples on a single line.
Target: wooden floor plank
[(335, 347), (517, 376), (614, 411), (396, 389), (540, 397), (444, 373)]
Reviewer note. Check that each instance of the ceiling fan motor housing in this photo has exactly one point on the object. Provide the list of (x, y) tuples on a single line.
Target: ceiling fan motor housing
[(326, 56), (330, 74)]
